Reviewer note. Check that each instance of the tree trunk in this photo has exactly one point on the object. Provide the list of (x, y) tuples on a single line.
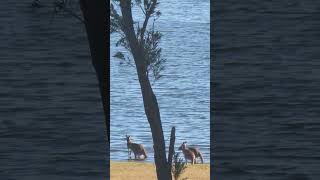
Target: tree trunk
[(95, 17), (171, 148), (151, 106), (153, 115)]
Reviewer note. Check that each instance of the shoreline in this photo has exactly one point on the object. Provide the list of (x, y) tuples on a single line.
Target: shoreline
[(136, 170)]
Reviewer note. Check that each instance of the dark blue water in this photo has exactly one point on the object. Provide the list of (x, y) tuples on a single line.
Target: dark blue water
[(51, 118), (183, 92), (266, 76)]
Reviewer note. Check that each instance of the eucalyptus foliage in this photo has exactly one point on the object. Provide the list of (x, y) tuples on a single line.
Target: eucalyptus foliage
[(179, 167), (148, 37)]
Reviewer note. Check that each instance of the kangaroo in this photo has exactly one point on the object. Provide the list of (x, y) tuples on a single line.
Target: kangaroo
[(195, 151), (188, 154), (137, 149)]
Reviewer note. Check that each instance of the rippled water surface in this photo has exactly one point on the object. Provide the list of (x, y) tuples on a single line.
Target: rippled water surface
[(51, 119), (266, 76), (184, 90)]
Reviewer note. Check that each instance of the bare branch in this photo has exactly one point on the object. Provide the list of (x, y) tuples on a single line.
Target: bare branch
[(144, 12), (148, 14)]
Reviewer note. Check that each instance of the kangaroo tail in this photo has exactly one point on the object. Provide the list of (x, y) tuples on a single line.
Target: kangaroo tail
[(200, 155)]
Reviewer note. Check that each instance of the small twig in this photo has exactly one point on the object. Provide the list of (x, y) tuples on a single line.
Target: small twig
[(144, 12)]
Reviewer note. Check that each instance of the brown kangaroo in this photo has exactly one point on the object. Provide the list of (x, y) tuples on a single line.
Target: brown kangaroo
[(188, 154), (195, 151), (137, 149)]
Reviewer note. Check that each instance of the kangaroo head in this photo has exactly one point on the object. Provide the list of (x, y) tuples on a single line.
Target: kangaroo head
[(129, 139), (183, 145)]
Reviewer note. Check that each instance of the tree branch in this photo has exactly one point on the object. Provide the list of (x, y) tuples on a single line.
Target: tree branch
[(127, 17), (129, 31), (148, 14)]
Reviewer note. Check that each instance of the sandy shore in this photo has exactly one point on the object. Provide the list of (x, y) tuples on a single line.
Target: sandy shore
[(143, 170)]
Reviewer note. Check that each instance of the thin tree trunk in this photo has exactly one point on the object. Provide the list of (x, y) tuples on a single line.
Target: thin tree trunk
[(149, 99), (95, 16), (153, 115), (171, 148)]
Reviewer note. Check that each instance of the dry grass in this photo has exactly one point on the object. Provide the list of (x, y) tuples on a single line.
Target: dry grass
[(143, 170)]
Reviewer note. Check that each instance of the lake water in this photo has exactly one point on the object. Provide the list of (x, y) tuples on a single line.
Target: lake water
[(51, 118), (183, 92), (266, 75)]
